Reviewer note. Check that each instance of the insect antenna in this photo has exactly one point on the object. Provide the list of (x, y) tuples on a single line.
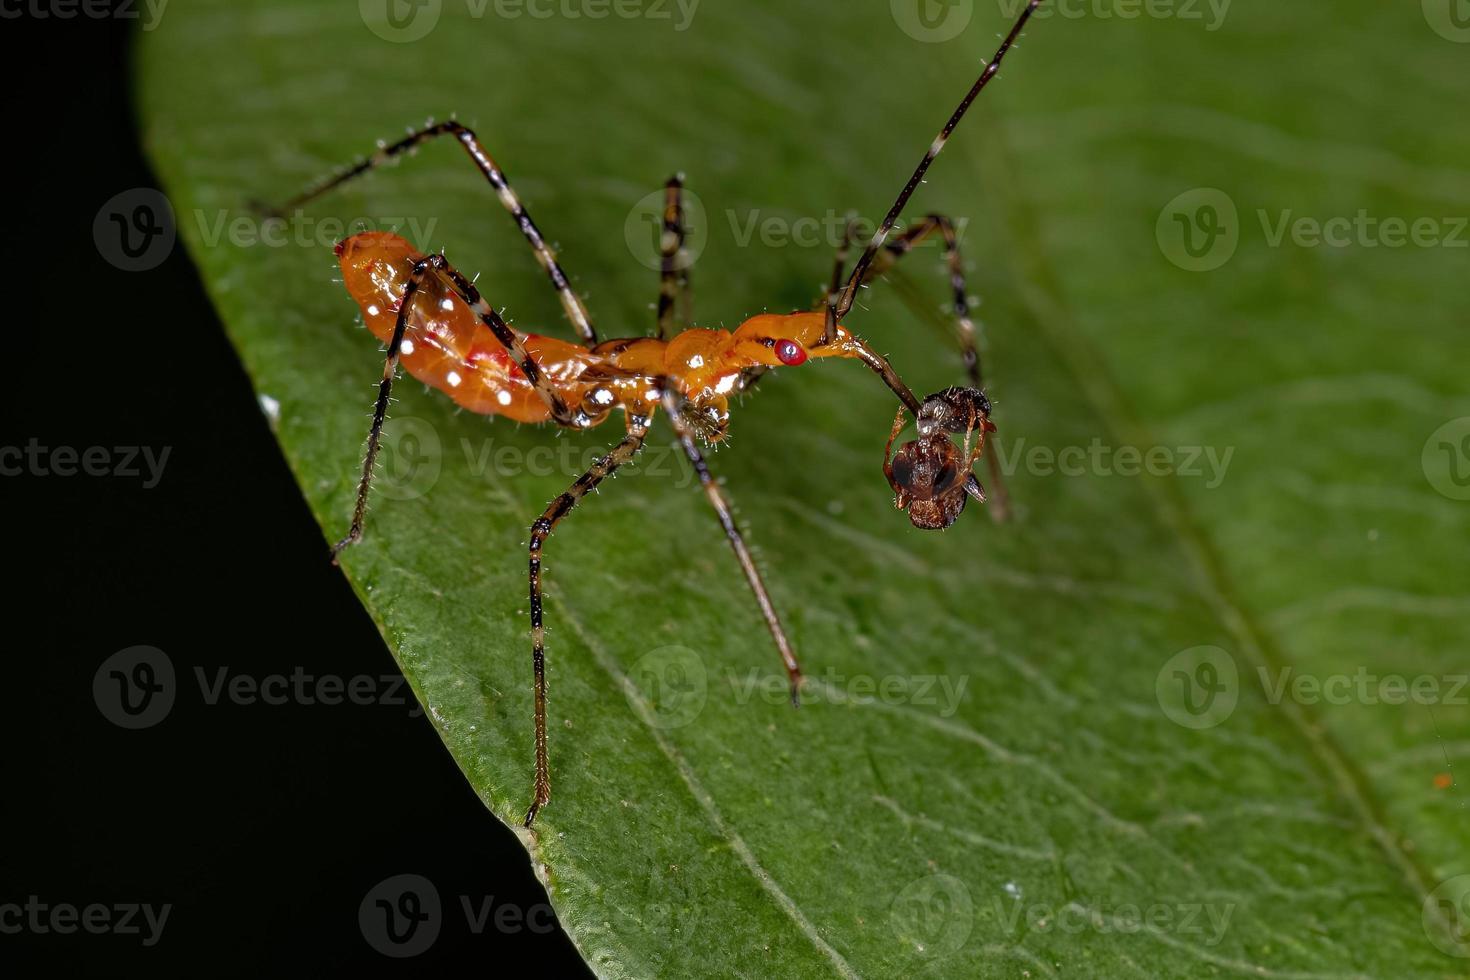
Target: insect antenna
[(839, 308)]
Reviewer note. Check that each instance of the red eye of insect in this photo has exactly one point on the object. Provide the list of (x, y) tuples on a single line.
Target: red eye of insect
[(789, 352)]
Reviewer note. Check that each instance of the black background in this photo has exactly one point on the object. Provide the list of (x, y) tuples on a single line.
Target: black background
[(264, 827)]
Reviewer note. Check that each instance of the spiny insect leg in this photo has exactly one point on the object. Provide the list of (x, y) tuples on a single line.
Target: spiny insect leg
[(540, 531), (576, 311)]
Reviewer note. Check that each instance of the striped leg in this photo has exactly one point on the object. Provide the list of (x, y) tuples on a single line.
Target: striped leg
[(999, 504), (839, 309), (540, 531), (570, 301), (717, 500), (673, 267), (421, 270)]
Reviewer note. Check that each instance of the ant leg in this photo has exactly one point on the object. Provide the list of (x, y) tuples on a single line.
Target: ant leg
[(673, 276), (899, 421), (545, 524), (904, 244), (570, 301), (421, 270), (737, 542)]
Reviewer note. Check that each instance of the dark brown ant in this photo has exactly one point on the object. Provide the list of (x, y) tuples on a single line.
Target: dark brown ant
[(930, 476)]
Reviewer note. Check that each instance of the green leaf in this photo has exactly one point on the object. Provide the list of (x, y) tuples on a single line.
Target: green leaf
[(1042, 813)]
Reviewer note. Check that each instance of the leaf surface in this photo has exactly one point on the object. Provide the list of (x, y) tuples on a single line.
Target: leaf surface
[(986, 778)]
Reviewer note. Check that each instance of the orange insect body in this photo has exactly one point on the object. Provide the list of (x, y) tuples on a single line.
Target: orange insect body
[(447, 347)]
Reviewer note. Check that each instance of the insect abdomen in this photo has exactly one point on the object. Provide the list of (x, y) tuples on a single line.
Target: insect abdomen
[(444, 344)]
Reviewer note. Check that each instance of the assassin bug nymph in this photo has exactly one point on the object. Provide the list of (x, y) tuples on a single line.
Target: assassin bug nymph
[(436, 323)]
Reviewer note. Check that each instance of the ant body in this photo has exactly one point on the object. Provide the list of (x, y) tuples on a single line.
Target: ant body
[(438, 326)]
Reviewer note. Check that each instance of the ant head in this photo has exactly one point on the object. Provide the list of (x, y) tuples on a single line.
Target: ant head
[(929, 478)]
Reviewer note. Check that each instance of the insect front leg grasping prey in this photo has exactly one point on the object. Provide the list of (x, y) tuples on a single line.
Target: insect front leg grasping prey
[(436, 324), (966, 334)]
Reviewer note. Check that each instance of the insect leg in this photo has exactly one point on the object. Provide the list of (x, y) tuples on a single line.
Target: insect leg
[(839, 309), (540, 530), (966, 331), (899, 421), (839, 264), (421, 270), (671, 402), (570, 301), (673, 265)]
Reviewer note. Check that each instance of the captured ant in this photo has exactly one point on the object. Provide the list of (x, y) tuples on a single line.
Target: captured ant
[(926, 473), (434, 322)]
